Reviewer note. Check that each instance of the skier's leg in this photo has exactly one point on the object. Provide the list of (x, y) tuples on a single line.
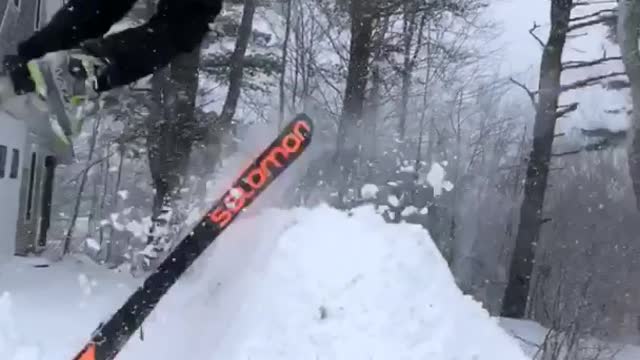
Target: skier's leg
[(66, 80), (63, 80), (75, 22), (177, 27), (64, 77), (60, 76)]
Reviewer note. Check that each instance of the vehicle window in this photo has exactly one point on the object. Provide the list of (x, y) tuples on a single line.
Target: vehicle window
[(3, 160), (15, 164)]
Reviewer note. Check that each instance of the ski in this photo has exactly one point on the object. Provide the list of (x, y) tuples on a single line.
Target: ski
[(112, 335)]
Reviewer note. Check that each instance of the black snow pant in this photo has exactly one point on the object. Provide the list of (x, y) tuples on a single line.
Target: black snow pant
[(178, 26)]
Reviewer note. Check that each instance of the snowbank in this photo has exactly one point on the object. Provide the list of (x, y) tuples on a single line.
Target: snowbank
[(303, 284)]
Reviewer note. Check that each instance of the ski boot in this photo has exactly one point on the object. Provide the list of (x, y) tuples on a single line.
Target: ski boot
[(67, 82)]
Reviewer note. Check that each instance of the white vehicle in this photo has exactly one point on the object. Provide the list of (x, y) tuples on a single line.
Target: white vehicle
[(27, 166), (27, 156)]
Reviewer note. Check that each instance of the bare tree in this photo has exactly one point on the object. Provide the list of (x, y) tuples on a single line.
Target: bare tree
[(412, 28), (81, 187), (548, 111), (285, 53), (517, 291), (237, 65), (171, 132), (349, 137)]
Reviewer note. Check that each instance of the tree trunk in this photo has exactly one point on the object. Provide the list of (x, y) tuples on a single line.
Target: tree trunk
[(516, 294), (158, 140), (114, 206), (628, 24), (172, 132), (426, 103), (369, 143), (373, 115), (349, 139), (237, 65), (283, 65), (409, 22)]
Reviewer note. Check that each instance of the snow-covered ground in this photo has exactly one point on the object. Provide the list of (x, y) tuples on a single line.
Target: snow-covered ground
[(44, 311), (282, 284)]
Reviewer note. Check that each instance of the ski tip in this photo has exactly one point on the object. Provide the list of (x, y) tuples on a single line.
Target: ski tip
[(302, 117), (88, 353), (306, 122)]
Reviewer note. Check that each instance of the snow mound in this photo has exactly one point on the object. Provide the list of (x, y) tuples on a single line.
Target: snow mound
[(283, 284), (363, 289), (335, 286)]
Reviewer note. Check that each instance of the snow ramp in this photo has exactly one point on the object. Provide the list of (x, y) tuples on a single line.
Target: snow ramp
[(321, 284)]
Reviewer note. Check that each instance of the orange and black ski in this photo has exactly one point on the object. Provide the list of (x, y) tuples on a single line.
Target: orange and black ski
[(111, 336)]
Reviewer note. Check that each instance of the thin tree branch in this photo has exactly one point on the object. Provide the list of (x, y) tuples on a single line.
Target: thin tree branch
[(89, 167), (566, 153), (605, 12), (605, 133), (532, 32), (589, 81), (617, 84), (575, 36), (590, 22), (580, 64), (603, 144), (593, 2), (532, 94), (566, 109)]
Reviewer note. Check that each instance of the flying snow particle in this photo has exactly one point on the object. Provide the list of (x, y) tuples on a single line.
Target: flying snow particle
[(393, 201), (115, 223), (381, 209), (435, 178), (369, 191), (85, 284), (124, 194), (408, 169), (409, 210), (92, 244)]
